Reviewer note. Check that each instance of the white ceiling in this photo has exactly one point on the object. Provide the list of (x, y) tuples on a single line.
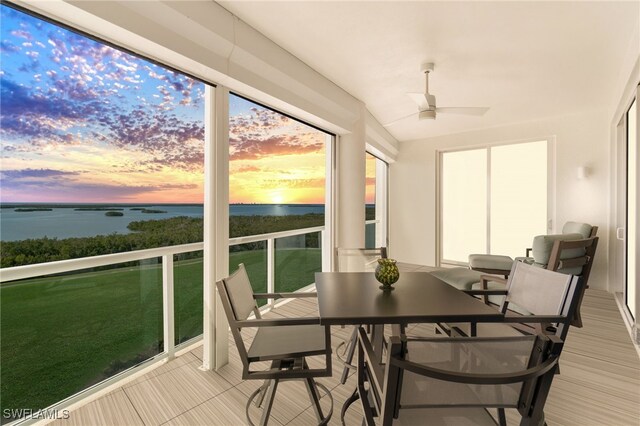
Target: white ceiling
[(525, 60)]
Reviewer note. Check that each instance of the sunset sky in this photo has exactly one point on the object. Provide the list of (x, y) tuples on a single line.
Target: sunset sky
[(83, 122)]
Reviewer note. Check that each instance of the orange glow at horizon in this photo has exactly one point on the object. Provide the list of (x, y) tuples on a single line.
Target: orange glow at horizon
[(273, 159)]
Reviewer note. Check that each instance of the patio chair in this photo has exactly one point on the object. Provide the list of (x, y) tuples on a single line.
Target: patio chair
[(355, 260), (285, 342), (456, 381), (535, 301), (501, 265)]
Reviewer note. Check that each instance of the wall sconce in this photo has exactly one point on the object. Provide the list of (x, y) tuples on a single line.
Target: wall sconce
[(583, 172)]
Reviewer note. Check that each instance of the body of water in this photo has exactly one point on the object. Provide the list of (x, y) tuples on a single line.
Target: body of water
[(66, 222)]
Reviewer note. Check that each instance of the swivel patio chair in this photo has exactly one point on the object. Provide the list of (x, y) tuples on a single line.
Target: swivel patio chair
[(572, 256), (355, 260), (285, 342), (535, 301), (455, 381)]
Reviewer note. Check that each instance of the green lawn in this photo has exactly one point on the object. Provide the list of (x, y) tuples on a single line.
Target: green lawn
[(62, 334)]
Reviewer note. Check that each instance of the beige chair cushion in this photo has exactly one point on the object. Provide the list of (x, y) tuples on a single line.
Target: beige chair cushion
[(542, 245), (583, 229), (460, 278)]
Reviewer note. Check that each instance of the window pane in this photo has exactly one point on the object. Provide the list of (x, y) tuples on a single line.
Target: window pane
[(632, 206), (62, 334), (187, 294), (464, 204), (518, 196), (370, 199), (298, 258)]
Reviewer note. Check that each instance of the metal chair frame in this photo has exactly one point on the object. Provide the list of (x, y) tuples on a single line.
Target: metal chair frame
[(529, 324), (284, 367), (382, 398)]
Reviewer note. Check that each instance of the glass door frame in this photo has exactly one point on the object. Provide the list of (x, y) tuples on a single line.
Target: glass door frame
[(551, 190)]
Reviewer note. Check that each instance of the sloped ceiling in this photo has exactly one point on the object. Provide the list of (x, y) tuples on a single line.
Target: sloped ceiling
[(525, 60)]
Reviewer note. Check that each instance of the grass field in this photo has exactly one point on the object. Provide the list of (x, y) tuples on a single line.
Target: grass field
[(63, 334)]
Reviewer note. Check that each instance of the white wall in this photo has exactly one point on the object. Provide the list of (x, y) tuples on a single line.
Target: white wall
[(581, 140)]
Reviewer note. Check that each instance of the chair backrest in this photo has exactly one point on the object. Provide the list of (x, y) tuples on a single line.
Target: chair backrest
[(236, 295), (566, 253), (240, 293), (500, 372), (543, 292), (580, 265), (360, 259), (584, 229)]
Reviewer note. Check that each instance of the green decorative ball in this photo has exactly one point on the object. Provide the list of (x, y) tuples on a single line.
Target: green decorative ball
[(387, 272)]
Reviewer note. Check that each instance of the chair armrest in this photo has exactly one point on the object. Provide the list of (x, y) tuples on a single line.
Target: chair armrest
[(474, 378), (530, 319), (528, 252), (283, 295), (484, 279), (268, 322)]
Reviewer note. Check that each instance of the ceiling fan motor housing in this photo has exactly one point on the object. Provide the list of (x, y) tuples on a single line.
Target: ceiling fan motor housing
[(429, 114)]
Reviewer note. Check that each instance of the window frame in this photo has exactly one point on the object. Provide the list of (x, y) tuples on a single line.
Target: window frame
[(381, 201)]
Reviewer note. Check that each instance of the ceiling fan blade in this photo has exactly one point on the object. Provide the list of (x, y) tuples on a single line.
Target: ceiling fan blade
[(463, 110), (420, 99), (400, 119)]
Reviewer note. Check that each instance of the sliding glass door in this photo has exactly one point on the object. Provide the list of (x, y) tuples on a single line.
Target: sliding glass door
[(492, 200)]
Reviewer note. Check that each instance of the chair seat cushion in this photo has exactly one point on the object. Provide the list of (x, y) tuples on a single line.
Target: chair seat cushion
[(289, 341), (460, 278), (490, 261), (458, 416), (486, 329)]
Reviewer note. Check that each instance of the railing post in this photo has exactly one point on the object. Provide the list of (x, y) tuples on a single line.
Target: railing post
[(326, 252), (167, 305), (271, 268)]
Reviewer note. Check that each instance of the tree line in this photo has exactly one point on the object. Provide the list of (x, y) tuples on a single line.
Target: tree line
[(150, 234)]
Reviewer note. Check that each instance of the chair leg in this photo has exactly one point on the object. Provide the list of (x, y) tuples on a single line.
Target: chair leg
[(263, 392), (266, 411), (353, 398), (502, 419), (314, 396), (351, 348)]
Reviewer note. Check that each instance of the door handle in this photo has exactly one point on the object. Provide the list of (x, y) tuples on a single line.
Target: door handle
[(620, 233)]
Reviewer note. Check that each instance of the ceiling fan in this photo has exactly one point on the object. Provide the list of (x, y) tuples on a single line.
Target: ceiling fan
[(426, 102)]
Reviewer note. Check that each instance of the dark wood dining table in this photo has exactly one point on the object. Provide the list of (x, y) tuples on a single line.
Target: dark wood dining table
[(354, 298)]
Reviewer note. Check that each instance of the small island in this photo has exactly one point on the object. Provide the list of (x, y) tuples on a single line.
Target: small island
[(97, 209), (113, 214), (137, 208), (33, 209), (153, 211)]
